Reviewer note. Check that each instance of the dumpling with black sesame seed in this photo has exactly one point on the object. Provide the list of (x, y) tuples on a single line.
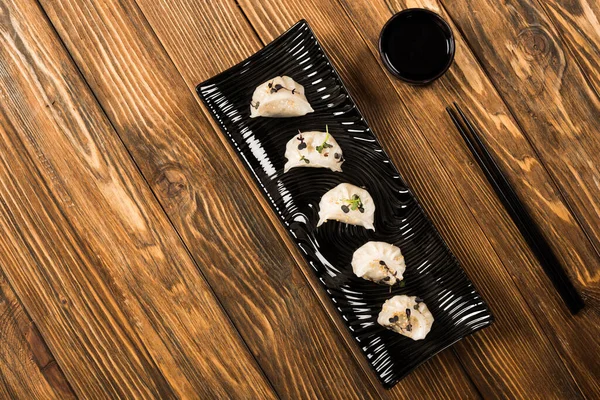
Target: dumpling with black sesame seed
[(279, 97), (314, 149), (379, 262), (406, 315), (347, 203)]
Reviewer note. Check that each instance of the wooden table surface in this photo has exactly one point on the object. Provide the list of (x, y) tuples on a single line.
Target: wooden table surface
[(139, 260)]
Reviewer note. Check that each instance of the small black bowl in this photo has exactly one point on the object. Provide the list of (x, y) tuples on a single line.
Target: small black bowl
[(417, 46)]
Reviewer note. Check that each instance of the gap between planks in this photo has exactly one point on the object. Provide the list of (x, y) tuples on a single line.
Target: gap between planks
[(196, 100), (317, 289), (560, 107), (535, 322), (551, 177), (154, 196), (290, 247), (324, 300), (356, 28), (292, 253), (480, 66), (556, 186), (464, 200), (60, 50)]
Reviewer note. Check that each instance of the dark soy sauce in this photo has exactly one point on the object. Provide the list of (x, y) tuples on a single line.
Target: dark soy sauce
[(417, 46)]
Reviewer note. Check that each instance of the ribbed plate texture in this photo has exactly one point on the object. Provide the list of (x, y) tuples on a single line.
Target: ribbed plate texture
[(432, 271)]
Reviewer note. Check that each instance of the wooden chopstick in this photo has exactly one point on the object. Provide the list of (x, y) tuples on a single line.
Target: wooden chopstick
[(521, 217)]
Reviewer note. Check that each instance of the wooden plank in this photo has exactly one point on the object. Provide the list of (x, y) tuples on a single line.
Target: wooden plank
[(486, 356), (87, 247), (28, 369), (551, 101), (467, 83), (219, 34), (209, 199), (577, 23), (113, 366)]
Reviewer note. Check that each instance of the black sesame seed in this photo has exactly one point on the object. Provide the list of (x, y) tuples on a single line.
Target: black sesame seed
[(277, 88), (386, 279), (381, 262), (361, 209), (416, 306), (301, 146), (336, 156), (345, 209)]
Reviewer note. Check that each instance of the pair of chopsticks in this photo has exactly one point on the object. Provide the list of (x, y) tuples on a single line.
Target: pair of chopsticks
[(517, 211)]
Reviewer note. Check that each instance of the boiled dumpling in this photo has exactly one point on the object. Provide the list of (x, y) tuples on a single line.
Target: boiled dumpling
[(347, 203), (313, 149), (379, 262), (279, 97), (406, 315)]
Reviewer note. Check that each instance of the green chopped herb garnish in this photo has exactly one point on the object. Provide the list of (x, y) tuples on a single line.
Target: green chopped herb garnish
[(306, 160), (402, 284), (324, 145), (355, 203)]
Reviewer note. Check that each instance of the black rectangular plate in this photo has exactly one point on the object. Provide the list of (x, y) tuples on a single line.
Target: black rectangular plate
[(432, 271)]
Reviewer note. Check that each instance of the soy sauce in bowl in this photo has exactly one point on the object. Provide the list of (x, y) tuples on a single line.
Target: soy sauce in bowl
[(417, 46)]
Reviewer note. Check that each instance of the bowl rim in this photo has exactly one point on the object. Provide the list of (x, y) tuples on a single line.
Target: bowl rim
[(450, 38)]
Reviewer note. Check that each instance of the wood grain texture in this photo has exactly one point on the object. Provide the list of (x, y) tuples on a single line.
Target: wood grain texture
[(122, 305), (466, 82), (577, 21), (212, 32), (88, 249), (550, 99), (394, 124), (27, 368), (208, 198)]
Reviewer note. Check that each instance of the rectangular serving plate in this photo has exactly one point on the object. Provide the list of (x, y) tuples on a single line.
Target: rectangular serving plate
[(432, 272)]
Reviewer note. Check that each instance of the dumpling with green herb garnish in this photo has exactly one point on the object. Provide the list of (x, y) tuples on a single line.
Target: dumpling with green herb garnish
[(406, 315), (379, 262), (347, 203), (314, 150), (279, 97)]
